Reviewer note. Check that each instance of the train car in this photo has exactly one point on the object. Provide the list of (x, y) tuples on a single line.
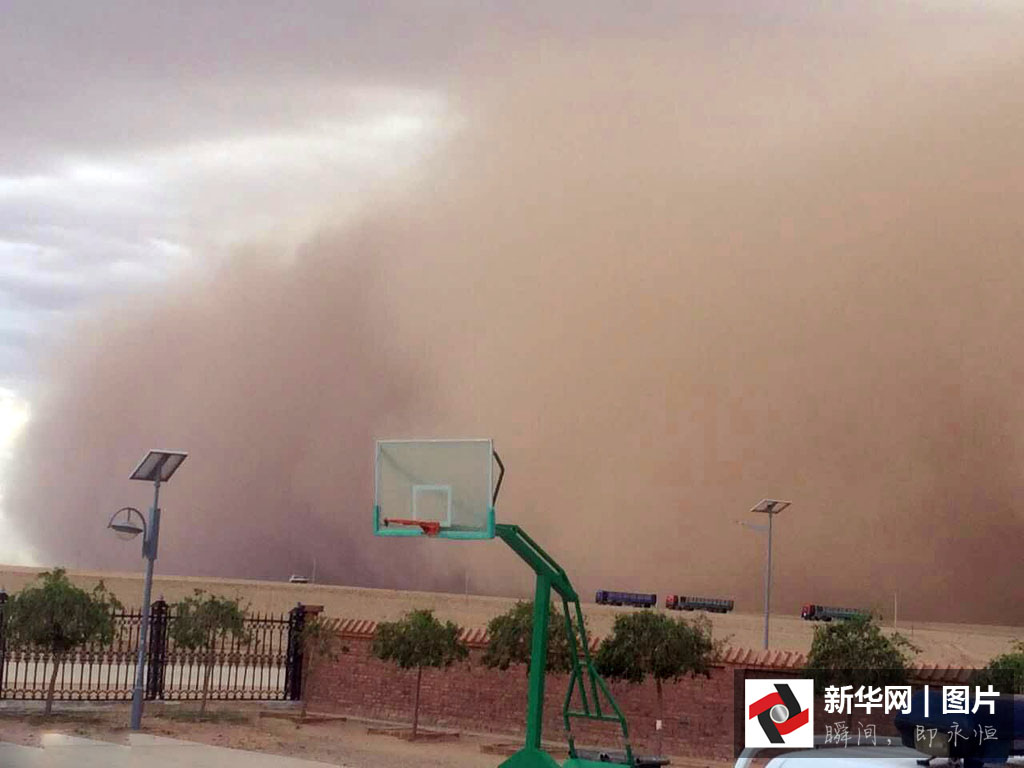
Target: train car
[(812, 612), (687, 603), (635, 599)]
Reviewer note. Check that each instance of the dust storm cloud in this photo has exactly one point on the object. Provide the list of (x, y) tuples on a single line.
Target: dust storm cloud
[(669, 277)]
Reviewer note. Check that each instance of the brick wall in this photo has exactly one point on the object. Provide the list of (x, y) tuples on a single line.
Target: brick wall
[(698, 714)]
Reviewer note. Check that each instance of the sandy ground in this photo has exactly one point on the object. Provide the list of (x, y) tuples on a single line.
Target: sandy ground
[(964, 645), (336, 742)]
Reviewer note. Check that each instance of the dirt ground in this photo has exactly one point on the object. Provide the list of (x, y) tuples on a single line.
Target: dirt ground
[(343, 743), (956, 645)]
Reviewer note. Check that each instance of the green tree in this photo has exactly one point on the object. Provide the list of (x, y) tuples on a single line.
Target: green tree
[(320, 642), (54, 615), (856, 652), (653, 644), (1005, 672), (510, 638), (199, 622), (416, 641)]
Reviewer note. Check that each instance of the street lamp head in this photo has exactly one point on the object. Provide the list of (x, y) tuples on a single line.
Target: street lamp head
[(124, 525), (770, 506)]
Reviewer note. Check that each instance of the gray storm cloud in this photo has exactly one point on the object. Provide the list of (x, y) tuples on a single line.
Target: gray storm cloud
[(669, 274)]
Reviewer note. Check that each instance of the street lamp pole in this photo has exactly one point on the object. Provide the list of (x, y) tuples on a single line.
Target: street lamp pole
[(770, 507), (768, 586), (149, 551), (157, 467)]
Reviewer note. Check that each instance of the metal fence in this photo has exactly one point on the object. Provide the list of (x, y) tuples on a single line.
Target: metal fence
[(264, 664)]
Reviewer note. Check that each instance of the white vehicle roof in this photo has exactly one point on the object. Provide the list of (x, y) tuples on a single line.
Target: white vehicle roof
[(851, 757), (847, 757), (836, 756)]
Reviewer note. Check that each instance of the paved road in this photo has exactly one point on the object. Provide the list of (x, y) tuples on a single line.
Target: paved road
[(142, 751)]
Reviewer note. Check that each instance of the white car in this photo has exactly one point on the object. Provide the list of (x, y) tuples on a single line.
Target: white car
[(832, 756), (826, 755)]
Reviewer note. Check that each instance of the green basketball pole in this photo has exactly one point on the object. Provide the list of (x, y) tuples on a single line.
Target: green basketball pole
[(550, 576), (404, 478)]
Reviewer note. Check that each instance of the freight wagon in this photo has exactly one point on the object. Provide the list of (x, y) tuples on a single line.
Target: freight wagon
[(812, 612), (635, 599), (711, 604)]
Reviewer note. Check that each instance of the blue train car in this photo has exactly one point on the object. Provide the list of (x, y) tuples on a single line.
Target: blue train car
[(635, 599)]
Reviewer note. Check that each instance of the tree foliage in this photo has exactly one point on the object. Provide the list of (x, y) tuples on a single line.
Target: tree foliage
[(320, 639), (203, 619), (1005, 673), (56, 616), (419, 639), (415, 641), (200, 622), (653, 644), (857, 652), (510, 639)]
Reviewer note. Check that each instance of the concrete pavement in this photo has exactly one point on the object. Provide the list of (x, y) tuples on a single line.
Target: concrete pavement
[(142, 751)]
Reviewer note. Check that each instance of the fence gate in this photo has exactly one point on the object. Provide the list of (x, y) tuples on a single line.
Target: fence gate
[(265, 664)]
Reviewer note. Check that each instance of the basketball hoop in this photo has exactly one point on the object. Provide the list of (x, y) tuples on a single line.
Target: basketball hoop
[(430, 527), (443, 489)]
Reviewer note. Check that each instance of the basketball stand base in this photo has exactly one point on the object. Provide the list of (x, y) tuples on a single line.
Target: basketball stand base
[(530, 758), (536, 758)]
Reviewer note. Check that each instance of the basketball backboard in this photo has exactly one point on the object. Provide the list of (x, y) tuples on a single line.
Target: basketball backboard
[(441, 488)]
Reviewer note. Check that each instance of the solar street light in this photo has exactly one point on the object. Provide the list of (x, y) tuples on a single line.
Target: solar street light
[(770, 507), (157, 467)]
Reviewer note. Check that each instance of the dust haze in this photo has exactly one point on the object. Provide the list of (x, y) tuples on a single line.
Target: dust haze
[(669, 276)]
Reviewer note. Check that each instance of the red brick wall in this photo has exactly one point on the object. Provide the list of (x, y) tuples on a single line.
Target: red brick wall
[(698, 717)]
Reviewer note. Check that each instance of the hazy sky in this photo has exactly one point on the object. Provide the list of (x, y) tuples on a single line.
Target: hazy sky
[(140, 140), (166, 154)]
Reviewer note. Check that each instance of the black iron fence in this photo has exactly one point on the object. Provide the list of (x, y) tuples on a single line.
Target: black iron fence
[(264, 664)]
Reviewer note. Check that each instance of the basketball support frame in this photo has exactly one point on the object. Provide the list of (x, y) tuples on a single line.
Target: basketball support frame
[(596, 700), (584, 676)]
